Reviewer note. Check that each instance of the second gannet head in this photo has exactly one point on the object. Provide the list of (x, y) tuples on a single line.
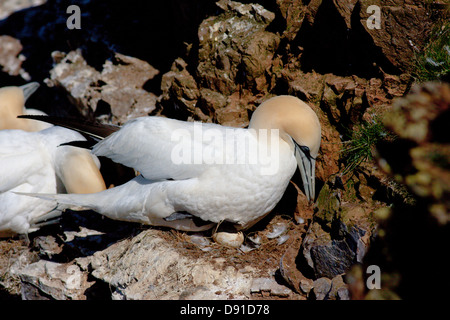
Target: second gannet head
[(299, 126), (12, 104), (79, 170)]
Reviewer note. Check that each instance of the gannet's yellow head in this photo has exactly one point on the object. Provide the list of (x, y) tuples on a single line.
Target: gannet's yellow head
[(299, 126), (79, 170), (12, 104)]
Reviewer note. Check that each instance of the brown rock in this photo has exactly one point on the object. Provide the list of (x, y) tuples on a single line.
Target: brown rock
[(338, 236), (118, 88), (404, 28), (180, 93), (339, 290), (293, 13), (235, 50), (345, 9), (10, 58), (8, 7), (311, 11), (344, 100), (321, 288), (307, 86), (290, 271)]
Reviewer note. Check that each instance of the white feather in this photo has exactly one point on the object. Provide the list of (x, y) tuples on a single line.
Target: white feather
[(27, 165)]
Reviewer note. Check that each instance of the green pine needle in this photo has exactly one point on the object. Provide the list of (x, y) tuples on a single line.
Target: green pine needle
[(364, 138)]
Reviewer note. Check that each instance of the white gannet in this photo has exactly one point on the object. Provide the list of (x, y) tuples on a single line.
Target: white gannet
[(206, 171), (12, 104), (35, 162)]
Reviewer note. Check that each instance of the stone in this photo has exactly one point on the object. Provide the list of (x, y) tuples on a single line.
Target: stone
[(408, 24), (48, 246), (293, 13), (306, 285), (15, 256), (307, 86), (180, 94), (339, 290), (235, 57), (345, 9), (10, 57), (148, 267), (321, 288), (270, 286), (118, 88), (7, 7), (290, 272), (45, 280), (338, 236), (252, 11), (344, 99)]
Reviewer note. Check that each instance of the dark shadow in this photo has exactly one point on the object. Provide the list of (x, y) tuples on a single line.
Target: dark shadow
[(109, 232), (329, 46), (154, 31)]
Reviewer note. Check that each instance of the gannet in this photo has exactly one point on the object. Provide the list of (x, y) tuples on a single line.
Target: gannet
[(35, 162), (12, 104), (193, 175)]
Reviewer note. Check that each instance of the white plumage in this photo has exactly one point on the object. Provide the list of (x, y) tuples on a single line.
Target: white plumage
[(33, 162), (228, 184)]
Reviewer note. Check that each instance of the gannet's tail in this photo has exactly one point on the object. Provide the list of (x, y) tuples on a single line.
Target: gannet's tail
[(49, 218), (75, 202), (138, 200)]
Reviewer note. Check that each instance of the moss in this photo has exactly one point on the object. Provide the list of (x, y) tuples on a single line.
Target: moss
[(327, 205), (433, 62)]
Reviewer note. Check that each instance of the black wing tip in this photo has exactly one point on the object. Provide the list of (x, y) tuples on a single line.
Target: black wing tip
[(91, 128), (31, 116), (80, 144)]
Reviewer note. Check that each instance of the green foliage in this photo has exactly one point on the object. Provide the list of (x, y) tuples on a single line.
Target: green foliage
[(363, 139), (433, 63)]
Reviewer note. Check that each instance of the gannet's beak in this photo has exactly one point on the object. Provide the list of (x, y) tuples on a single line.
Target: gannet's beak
[(29, 88), (307, 165)]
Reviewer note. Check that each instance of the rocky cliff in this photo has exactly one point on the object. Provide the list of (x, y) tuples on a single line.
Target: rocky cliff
[(216, 62)]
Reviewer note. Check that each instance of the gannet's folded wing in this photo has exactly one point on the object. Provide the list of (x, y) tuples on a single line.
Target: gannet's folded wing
[(161, 148)]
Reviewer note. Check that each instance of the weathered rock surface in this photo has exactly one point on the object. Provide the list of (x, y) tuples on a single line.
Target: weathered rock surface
[(335, 37), (116, 92), (233, 64), (235, 50), (408, 22), (237, 56), (7, 7), (10, 57), (44, 280), (180, 93), (146, 266), (338, 236)]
